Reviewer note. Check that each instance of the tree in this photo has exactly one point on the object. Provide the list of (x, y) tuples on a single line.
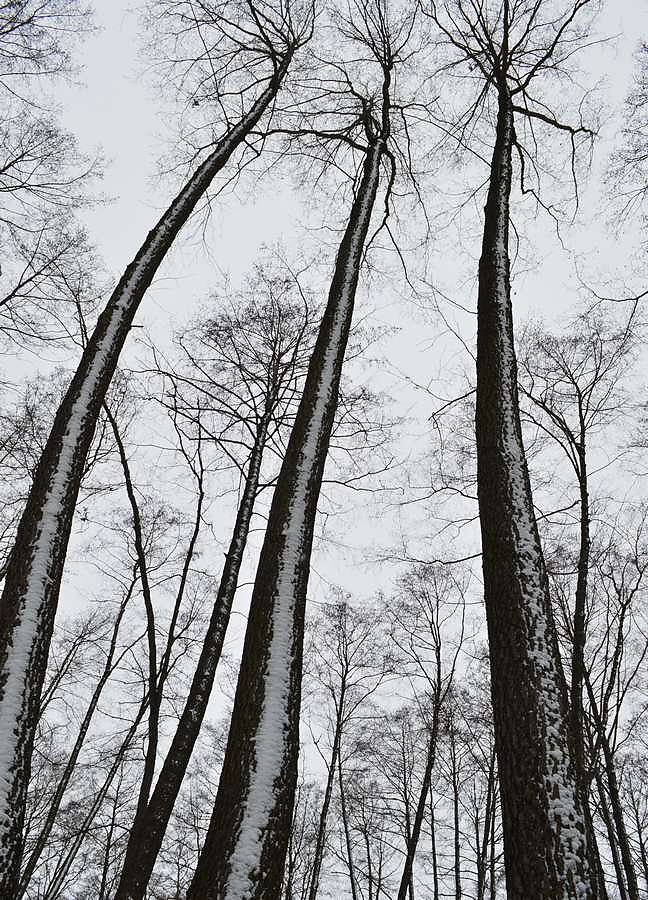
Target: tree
[(422, 618), (629, 167), (44, 179), (245, 848), (349, 661), (573, 383), (511, 46), (253, 46), (246, 365)]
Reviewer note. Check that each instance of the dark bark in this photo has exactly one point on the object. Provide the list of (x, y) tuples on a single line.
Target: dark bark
[(544, 831), (347, 833), (455, 816), (618, 816), (435, 863), (482, 846), (154, 689), (413, 838), (34, 572), (280, 591), (151, 821), (578, 661), (612, 840), (70, 765)]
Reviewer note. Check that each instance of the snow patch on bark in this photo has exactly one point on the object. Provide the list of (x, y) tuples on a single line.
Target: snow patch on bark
[(20, 683), (567, 825), (270, 741)]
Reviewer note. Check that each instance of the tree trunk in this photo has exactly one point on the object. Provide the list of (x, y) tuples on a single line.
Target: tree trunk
[(544, 831), (245, 847), (612, 839), (70, 765), (34, 572), (347, 833), (435, 862), (622, 839), (318, 853), (455, 811), (578, 665), (482, 845), (412, 843), (492, 888), (150, 824)]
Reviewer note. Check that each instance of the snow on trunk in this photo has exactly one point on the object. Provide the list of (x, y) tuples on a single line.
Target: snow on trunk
[(34, 573), (544, 831), (245, 848)]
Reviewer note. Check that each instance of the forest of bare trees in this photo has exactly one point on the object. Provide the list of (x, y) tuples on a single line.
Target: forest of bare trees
[(323, 522)]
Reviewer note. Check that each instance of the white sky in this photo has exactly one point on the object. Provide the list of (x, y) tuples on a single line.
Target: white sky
[(115, 110)]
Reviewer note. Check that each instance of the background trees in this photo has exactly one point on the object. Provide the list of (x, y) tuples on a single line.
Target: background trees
[(398, 787)]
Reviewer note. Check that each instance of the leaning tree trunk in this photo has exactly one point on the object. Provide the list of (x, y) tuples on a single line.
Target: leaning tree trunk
[(70, 765), (544, 831), (413, 839), (33, 575), (245, 847), (150, 824), (320, 839)]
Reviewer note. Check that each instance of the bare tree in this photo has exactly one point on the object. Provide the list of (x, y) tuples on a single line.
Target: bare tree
[(629, 166), (349, 661), (44, 179), (253, 45), (574, 385), (511, 46), (246, 366), (428, 628), (246, 844)]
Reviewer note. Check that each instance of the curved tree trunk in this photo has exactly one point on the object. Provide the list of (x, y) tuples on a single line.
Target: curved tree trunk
[(149, 827), (34, 572), (544, 830), (245, 847)]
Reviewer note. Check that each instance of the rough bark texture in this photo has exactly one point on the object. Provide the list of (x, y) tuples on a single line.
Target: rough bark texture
[(33, 577), (149, 827), (544, 831), (245, 847)]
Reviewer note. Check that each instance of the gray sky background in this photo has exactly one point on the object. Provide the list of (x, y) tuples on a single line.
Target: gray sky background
[(118, 112)]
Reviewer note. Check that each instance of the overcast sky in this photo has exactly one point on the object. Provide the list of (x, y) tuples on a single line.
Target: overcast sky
[(116, 110)]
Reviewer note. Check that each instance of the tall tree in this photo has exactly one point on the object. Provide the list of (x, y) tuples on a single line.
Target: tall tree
[(511, 46), (252, 47), (574, 384), (245, 848), (349, 662), (431, 597), (248, 364)]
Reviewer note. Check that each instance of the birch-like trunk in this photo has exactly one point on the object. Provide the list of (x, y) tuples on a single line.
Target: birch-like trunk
[(544, 831), (245, 847), (34, 572), (150, 824)]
